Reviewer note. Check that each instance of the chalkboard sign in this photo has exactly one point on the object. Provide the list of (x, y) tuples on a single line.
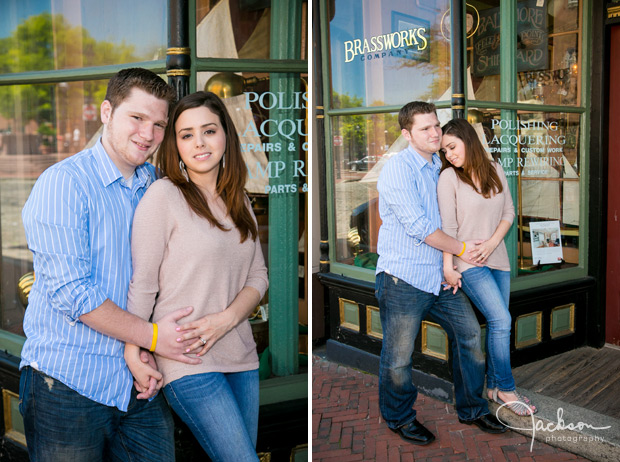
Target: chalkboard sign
[(532, 47)]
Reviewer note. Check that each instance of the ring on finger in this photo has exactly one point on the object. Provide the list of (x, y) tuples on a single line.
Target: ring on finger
[(203, 341)]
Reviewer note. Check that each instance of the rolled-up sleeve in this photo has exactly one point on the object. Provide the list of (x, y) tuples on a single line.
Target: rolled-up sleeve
[(404, 201), (55, 218)]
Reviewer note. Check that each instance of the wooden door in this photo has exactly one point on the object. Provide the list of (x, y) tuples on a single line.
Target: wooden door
[(612, 329)]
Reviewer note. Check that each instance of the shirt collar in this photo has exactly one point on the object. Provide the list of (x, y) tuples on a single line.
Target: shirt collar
[(420, 162), (110, 173)]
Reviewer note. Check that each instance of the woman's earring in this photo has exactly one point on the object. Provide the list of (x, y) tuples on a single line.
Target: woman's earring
[(223, 161), (183, 171)]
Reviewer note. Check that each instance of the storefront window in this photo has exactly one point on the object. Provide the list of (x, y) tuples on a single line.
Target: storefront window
[(39, 126), (238, 29), (388, 52), (539, 151), (548, 56), (53, 34), (361, 146)]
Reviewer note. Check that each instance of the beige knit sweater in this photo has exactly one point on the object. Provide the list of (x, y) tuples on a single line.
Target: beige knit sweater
[(180, 260), (467, 215)]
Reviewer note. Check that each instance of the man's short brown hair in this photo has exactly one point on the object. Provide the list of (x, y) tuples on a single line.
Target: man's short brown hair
[(120, 86), (409, 110)]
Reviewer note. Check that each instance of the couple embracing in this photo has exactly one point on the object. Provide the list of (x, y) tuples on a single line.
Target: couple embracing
[(445, 209)]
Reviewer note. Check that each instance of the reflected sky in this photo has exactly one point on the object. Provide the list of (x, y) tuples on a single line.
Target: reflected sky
[(139, 22)]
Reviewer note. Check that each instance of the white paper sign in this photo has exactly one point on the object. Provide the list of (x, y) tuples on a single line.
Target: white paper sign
[(546, 241)]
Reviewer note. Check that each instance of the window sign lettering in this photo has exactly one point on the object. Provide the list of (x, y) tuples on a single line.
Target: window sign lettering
[(410, 39), (539, 142), (255, 149)]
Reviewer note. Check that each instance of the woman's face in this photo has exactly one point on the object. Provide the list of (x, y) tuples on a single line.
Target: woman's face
[(201, 141), (454, 149)]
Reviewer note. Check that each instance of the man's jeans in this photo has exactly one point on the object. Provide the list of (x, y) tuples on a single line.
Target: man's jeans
[(402, 309), (61, 425), (489, 290), (221, 410)]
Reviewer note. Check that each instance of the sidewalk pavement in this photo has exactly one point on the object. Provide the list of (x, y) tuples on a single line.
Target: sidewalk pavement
[(347, 426)]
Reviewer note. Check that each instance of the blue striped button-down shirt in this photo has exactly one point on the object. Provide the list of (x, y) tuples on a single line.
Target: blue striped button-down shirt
[(409, 211), (78, 226)]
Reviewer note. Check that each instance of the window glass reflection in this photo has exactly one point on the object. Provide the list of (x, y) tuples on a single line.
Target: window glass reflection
[(548, 55), (39, 126), (239, 29), (55, 34), (388, 52), (361, 146)]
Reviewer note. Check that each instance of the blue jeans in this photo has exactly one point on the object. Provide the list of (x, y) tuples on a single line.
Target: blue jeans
[(402, 309), (62, 425), (221, 410), (489, 290)]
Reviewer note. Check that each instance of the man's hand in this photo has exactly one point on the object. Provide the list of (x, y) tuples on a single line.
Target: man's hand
[(472, 252), (147, 379), (172, 342)]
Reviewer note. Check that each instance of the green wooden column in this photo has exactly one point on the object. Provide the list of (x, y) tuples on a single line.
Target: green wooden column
[(284, 199), (508, 94)]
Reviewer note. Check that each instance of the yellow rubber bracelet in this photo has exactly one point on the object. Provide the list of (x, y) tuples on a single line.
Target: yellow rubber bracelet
[(154, 341), (462, 251)]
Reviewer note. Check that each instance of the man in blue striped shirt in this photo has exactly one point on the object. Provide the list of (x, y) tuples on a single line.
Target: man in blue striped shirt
[(76, 393), (409, 283)]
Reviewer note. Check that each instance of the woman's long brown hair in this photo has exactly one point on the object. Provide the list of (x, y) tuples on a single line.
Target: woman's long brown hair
[(230, 179), (477, 164)]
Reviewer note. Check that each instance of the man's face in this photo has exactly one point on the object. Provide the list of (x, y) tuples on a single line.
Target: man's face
[(134, 130), (425, 134)]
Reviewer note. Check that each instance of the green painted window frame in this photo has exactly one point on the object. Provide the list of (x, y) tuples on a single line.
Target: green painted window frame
[(507, 104)]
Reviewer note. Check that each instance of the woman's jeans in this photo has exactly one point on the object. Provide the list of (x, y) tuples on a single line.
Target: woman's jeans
[(402, 309), (489, 290), (221, 410)]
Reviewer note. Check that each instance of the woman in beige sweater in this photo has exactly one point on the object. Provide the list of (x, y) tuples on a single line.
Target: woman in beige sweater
[(195, 243), (475, 204)]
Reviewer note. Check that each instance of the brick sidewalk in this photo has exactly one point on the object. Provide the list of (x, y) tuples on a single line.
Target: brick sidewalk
[(347, 426)]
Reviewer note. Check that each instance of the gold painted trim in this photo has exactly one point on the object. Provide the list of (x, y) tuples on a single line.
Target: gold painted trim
[(10, 432), (571, 329), (369, 331), (341, 302), (324, 241), (178, 51), (427, 351), (320, 116), (613, 12), (320, 107), (323, 261), (533, 341), (178, 72), (458, 95)]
